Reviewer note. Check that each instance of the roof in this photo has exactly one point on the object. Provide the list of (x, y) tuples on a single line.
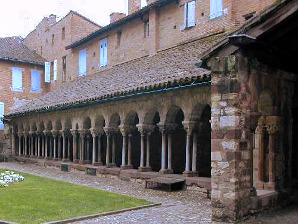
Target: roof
[(13, 49), (119, 22), (167, 69), (83, 17)]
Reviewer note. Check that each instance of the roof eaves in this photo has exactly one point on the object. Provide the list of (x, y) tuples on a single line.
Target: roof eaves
[(21, 61), (119, 22)]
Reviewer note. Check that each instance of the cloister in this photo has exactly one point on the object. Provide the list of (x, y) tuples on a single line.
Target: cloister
[(163, 133)]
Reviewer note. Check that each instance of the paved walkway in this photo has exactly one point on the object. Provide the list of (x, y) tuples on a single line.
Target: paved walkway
[(189, 206)]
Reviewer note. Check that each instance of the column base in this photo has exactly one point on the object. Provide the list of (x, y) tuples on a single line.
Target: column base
[(65, 160), (97, 164), (148, 168), (166, 171), (259, 185), (76, 161), (195, 173), (187, 174), (126, 167), (84, 161), (48, 158), (142, 169), (55, 159), (110, 165), (270, 186)]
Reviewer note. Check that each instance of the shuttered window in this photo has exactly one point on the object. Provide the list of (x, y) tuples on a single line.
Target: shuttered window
[(215, 8), (103, 52), (17, 80), (47, 71), (35, 81), (82, 62), (55, 70), (189, 14), (1, 115)]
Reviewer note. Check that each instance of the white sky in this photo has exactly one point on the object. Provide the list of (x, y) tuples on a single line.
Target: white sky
[(19, 17)]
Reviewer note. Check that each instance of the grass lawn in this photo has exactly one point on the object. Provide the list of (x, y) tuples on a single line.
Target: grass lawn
[(39, 199)]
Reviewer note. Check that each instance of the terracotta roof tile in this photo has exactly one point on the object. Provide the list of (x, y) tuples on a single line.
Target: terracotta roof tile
[(13, 49), (174, 65)]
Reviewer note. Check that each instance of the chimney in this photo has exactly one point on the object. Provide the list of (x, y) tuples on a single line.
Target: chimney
[(133, 6), (114, 16), (52, 19)]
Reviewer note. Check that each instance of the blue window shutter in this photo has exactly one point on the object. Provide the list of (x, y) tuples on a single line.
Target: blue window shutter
[(215, 8), (218, 8), (47, 71), (82, 62), (1, 115), (191, 17), (103, 52), (55, 70), (185, 17), (17, 80), (35, 81)]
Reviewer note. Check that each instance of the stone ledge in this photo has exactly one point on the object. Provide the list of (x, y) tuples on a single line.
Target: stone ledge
[(103, 214)]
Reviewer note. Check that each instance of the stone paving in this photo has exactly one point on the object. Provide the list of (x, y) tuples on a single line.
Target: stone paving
[(188, 206)]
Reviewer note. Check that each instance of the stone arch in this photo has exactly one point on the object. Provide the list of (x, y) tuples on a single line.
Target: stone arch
[(175, 129), (49, 125), (41, 126), (87, 123), (114, 120), (58, 125), (99, 122), (68, 124)]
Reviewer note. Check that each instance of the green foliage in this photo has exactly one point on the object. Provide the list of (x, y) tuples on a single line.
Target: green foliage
[(40, 199)]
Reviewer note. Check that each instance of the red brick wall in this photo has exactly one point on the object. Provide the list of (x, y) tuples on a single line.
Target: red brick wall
[(75, 27), (13, 98)]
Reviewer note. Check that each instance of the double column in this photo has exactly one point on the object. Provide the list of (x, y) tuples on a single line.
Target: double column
[(84, 151), (190, 163), (111, 146), (145, 131), (96, 146), (166, 149), (126, 147)]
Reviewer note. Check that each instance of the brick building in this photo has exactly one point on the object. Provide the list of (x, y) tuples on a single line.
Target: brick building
[(50, 37), (21, 75), (205, 89)]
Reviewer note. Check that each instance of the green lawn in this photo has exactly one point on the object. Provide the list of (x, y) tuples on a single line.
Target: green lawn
[(38, 199)]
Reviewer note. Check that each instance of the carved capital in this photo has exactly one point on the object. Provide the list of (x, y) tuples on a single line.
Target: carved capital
[(189, 126)]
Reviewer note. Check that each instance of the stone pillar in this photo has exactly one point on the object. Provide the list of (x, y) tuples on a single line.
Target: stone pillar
[(20, 143), (74, 145), (42, 145), (64, 134), (38, 144), (230, 111), (83, 146), (108, 134), (59, 147), (124, 130), (141, 168), (148, 167), (163, 148), (68, 146), (113, 151), (31, 143), (99, 150), (87, 148), (13, 142), (129, 165), (96, 158), (45, 144), (189, 126), (55, 133), (51, 146), (170, 170), (194, 154)]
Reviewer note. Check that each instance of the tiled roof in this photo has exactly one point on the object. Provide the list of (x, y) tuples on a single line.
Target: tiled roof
[(13, 49), (169, 68)]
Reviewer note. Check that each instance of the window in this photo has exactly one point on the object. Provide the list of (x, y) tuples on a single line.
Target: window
[(215, 8), (17, 81), (47, 71), (55, 70), (1, 115), (103, 52), (63, 33), (35, 81), (63, 68), (82, 62), (146, 30), (189, 15)]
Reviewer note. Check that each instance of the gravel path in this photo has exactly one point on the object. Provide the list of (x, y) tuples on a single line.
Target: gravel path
[(188, 206)]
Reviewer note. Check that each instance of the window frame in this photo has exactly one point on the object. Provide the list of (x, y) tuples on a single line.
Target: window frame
[(189, 17), (82, 53), (103, 54), (13, 81), (38, 90), (216, 9), (2, 113)]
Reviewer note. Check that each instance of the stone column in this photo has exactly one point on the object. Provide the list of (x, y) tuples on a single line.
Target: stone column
[(141, 168), (88, 148), (82, 147), (38, 144), (170, 170), (51, 145), (129, 165), (26, 143), (64, 134), (68, 146), (123, 131), (163, 148), (189, 126), (59, 146), (42, 145), (13, 142), (46, 144), (99, 150), (108, 134), (55, 133), (194, 154), (31, 143), (20, 143), (113, 150), (74, 145), (261, 156), (148, 167)]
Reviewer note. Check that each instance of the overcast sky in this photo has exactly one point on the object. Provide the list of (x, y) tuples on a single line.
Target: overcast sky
[(19, 17)]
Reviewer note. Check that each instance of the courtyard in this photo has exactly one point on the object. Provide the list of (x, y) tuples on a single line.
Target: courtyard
[(187, 206)]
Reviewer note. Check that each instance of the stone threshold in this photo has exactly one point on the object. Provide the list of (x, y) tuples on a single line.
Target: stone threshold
[(81, 218)]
